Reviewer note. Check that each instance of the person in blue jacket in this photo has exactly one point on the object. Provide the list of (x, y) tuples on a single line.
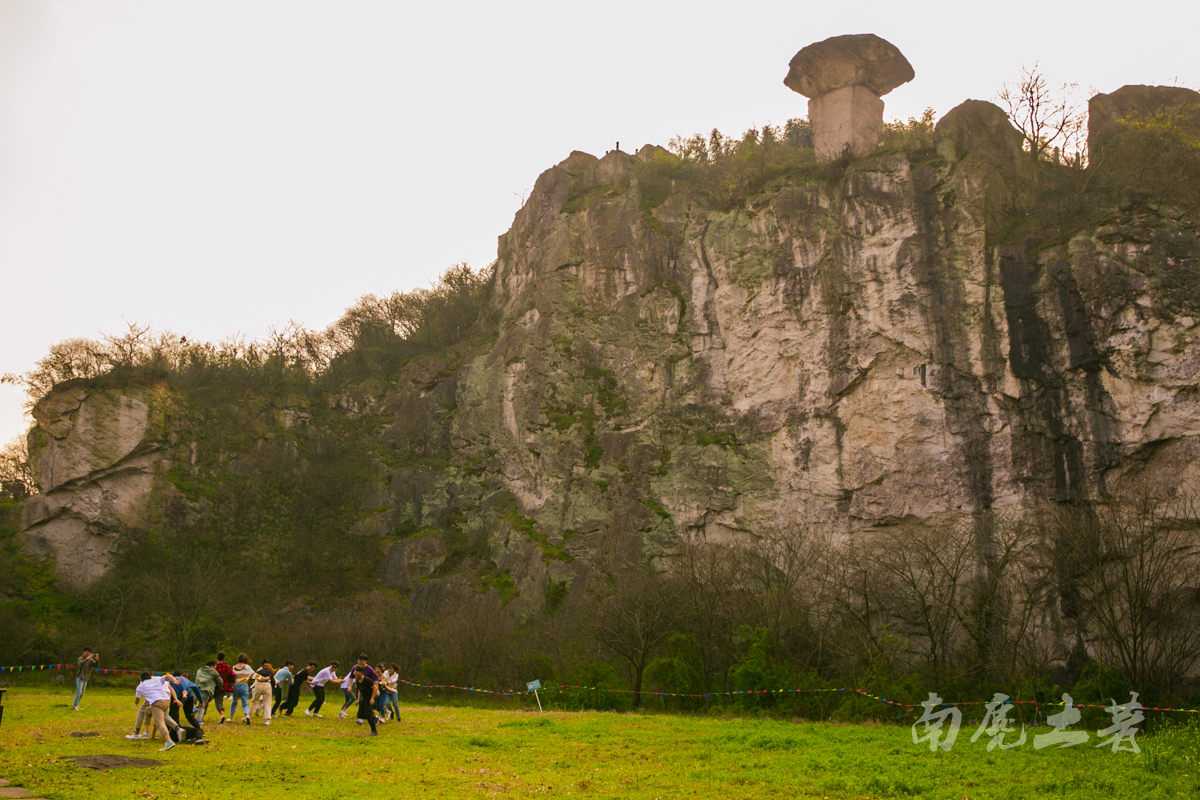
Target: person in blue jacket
[(190, 700)]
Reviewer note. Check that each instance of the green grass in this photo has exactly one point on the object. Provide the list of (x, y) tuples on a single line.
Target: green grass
[(460, 752)]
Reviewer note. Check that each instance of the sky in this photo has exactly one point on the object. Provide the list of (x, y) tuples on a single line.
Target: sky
[(216, 168)]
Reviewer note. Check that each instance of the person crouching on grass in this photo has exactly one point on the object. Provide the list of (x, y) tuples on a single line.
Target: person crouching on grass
[(368, 692), (260, 694), (154, 697), (188, 695)]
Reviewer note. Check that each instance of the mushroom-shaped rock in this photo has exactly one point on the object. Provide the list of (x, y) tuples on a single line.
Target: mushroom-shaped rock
[(844, 77)]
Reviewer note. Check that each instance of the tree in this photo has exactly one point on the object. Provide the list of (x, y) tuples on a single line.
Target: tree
[(1135, 562), (1052, 122), (16, 478), (635, 622)]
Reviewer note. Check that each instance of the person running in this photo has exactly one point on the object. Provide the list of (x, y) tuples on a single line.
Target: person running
[(283, 685), (188, 695), (368, 691), (318, 686), (87, 662), (299, 680), (350, 689), (208, 681), (154, 697), (367, 669), (226, 688), (389, 682), (260, 693), (243, 673)]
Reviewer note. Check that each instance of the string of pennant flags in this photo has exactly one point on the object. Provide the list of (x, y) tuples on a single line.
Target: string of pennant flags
[(72, 667), (910, 708)]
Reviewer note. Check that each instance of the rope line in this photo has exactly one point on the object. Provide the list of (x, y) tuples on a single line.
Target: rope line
[(707, 695)]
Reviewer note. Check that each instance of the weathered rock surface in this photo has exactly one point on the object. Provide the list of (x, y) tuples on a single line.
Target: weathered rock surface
[(861, 59), (845, 76), (1137, 102), (857, 349), (95, 455)]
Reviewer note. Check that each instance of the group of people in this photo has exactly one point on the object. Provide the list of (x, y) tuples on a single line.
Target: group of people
[(264, 692)]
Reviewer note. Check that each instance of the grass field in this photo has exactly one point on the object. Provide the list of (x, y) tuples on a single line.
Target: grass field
[(465, 752)]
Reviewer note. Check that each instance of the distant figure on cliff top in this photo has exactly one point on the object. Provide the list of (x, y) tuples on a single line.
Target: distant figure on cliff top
[(844, 77)]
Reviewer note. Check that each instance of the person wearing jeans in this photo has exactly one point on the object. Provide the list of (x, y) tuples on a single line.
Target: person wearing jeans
[(87, 662), (349, 689), (389, 680), (243, 673), (318, 686)]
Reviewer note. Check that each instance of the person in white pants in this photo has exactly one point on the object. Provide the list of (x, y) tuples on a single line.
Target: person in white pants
[(260, 691)]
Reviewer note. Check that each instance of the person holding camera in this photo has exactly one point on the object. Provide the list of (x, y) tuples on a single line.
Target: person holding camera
[(87, 662)]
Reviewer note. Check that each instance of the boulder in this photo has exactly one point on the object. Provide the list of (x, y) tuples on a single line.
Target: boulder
[(980, 129), (861, 59)]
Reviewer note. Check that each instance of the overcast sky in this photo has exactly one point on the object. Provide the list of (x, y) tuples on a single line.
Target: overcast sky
[(215, 167)]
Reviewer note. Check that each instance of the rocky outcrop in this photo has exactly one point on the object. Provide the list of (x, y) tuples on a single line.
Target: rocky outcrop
[(845, 77), (95, 454), (1141, 103), (856, 347)]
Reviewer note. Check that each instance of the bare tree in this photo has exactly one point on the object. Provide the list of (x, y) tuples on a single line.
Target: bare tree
[(922, 569), (1051, 121), (711, 602), (1137, 562), (635, 621)]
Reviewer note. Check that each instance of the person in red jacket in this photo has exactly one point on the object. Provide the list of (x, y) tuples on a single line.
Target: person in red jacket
[(226, 688)]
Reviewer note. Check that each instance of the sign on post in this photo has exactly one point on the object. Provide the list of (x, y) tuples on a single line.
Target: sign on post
[(533, 686)]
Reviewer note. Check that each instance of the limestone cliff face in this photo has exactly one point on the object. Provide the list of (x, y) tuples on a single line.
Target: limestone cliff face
[(856, 347), (95, 454)]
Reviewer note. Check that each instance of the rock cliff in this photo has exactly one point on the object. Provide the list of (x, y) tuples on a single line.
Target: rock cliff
[(861, 344)]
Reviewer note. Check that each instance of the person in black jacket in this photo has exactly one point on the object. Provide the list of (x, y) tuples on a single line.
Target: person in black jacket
[(299, 679), (368, 692)]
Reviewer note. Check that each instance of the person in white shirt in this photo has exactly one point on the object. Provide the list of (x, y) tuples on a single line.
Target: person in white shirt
[(388, 681), (243, 674), (156, 695), (350, 689), (318, 686)]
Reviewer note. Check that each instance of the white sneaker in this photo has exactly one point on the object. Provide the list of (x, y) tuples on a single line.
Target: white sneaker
[(133, 737), (266, 722), (167, 746), (359, 721), (341, 715), (143, 735), (308, 712), (318, 716)]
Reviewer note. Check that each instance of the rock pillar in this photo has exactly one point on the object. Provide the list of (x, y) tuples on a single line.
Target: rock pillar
[(845, 77)]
